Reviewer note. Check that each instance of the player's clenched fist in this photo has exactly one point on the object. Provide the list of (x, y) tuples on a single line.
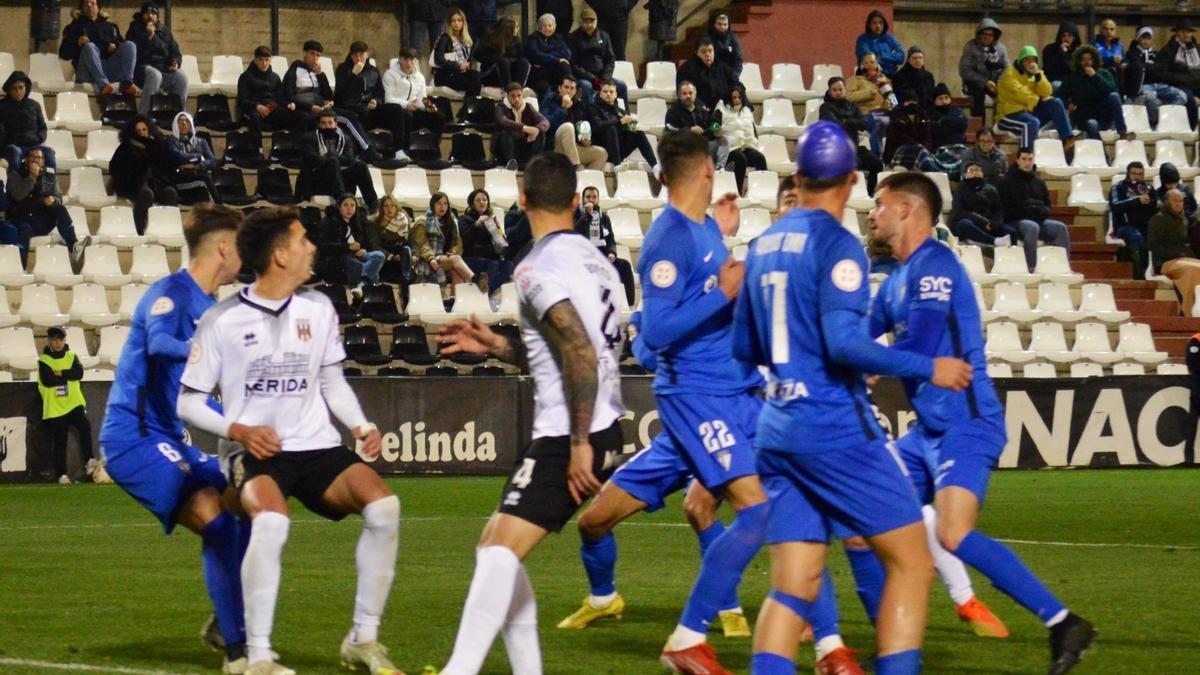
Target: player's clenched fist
[(731, 276), (372, 442), (951, 373), (262, 442)]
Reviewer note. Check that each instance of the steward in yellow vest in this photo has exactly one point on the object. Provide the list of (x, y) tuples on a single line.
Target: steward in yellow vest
[(63, 405)]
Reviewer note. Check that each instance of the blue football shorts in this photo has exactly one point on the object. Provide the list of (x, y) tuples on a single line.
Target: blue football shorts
[(161, 474)]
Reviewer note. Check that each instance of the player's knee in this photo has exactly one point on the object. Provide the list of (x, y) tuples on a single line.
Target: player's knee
[(270, 528), (700, 513), (592, 526), (950, 535), (856, 542), (382, 513)]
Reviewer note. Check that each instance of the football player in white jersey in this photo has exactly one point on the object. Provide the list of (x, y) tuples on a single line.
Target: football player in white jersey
[(274, 352), (571, 339)]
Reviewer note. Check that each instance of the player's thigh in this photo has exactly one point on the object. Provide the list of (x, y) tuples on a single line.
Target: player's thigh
[(904, 548), (261, 493), (862, 490), (715, 435), (919, 461), (159, 473), (512, 532), (609, 508), (794, 516), (796, 567), (653, 474), (355, 487), (700, 506), (744, 492), (200, 508), (957, 512)]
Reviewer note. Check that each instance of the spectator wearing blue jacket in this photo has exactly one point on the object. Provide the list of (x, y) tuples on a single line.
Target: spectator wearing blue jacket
[(1109, 44), (876, 40), (549, 54), (729, 49)]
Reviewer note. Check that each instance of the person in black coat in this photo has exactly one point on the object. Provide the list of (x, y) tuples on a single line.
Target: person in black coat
[(484, 243), (563, 12), (1180, 59), (452, 55), (22, 123), (501, 57), (348, 245), (594, 224), (728, 47), (914, 77), (845, 113), (331, 165), (592, 58), (94, 45), (549, 55), (138, 169), (359, 87), (307, 94), (158, 58), (616, 130), (711, 77), (258, 98), (36, 206), (690, 114), (1056, 56), (977, 214), (425, 21), (612, 16), (947, 122), (1027, 207)]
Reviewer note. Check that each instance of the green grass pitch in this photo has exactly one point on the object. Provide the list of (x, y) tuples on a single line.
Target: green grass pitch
[(87, 578)]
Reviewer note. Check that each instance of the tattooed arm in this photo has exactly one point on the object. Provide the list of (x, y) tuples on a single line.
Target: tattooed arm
[(577, 360), (473, 337)]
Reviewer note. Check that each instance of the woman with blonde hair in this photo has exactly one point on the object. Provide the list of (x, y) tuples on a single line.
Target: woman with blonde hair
[(452, 56), (392, 228)]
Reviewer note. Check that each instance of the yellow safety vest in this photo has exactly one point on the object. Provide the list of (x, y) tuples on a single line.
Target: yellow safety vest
[(60, 400)]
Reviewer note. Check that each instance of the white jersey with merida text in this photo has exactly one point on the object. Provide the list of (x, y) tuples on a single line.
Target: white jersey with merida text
[(566, 266), (265, 361)]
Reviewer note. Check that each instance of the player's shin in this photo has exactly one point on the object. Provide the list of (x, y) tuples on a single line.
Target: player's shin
[(376, 561), (222, 576), (950, 569), (777, 633), (1008, 573), (905, 603), (520, 628), (600, 561), (260, 581), (823, 616), (486, 609), (869, 577), (705, 538)]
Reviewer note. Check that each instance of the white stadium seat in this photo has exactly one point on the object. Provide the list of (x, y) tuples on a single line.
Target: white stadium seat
[(149, 263), (1091, 158), (1137, 121), (660, 80), (1091, 341), (774, 149), (89, 305), (425, 304), (1172, 369), (1050, 343), (191, 69), (1173, 123), (509, 307), (1053, 265), (456, 183), (1039, 370), (985, 314), (12, 274), (117, 227), (1050, 158), (812, 110), (778, 117), (627, 227), (1128, 369), (1135, 342), (411, 188), (468, 300), (73, 111), (63, 144), (1172, 150), (822, 72), (1009, 263), (164, 226), (102, 266), (787, 80), (623, 71), (78, 344), (586, 178), (972, 260), (752, 81), (1004, 343), (45, 70), (1087, 369), (226, 69), (1011, 302), (87, 188), (131, 295), (39, 306), (754, 222), (860, 199), (280, 64), (762, 188), (633, 189), (101, 144), (17, 348), (724, 182), (652, 115), (7, 65), (1098, 302), (1132, 151), (501, 186), (53, 266), (999, 370), (112, 341), (1054, 301), (1086, 193)]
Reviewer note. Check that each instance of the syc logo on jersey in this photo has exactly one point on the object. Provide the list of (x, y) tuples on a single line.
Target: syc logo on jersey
[(935, 288), (412, 443)]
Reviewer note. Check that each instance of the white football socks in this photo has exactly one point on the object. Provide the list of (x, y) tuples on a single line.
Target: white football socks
[(376, 559), (260, 581), (486, 609), (684, 638), (950, 569), (520, 629)]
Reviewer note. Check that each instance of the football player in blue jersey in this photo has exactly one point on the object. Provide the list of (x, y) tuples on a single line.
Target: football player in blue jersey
[(142, 438), (823, 459), (930, 307), (706, 398)]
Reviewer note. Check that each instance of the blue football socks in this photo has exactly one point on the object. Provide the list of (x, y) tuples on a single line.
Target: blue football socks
[(1005, 570), (869, 577), (223, 576), (723, 565), (600, 561), (901, 663)]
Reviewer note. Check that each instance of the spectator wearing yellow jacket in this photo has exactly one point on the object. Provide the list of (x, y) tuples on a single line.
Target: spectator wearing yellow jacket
[(1025, 101)]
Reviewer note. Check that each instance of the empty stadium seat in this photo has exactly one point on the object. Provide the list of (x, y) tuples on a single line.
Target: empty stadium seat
[(1009, 263), (102, 266), (87, 188), (1086, 193), (1172, 369), (425, 300), (326, 64), (411, 187), (660, 81), (1004, 343), (626, 227), (280, 65), (754, 221), (63, 144), (787, 80), (778, 117), (1054, 300), (985, 314), (724, 182), (999, 370), (117, 227), (7, 65), (1135, 342), (89, 305), (39, 306), (972, 260), (191, 68), (226, 69), (17, 348), (1039, 370), (623, 71), (774, 149), (1173, 123), (149, 263), (456, 183), (1137, 121), (1050, 343), (1128, 369), (1011, 301), (652, 115), (501, 186), (751, 79), (1052, 265), (822, 72), (53, 266), (812, 111), (45, 70), (851, 223), (101, 144), (12, 273), (633, 189), (164, 226), (73, 112), (1087, 369), (762, 188), (1172, 150), (78, 344), (131, 295), (1091, 158), (112, 341), (1097, 301), (1050, 158), (1091, 341), (468, 300)]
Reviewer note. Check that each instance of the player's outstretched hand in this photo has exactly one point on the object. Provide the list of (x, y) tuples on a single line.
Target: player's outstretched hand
[(262, 442), (731, 276), (727, 214), (470, 337), (581, 481), (371, 440), (951, 373)]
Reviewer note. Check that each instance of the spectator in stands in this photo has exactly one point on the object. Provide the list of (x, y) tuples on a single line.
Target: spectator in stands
[(711, 78), (405, 98), (977, 214), (192, 161), (1181, 59), (613, 18), (1056, 56), (331, 165), (158, 58), (1025, 101), (838, 108), (1108, 43), (1027, 207), (426, 19), (592, 59), (306, 88), (359, 90), (63, 405), (481, 15), (36, 206), (689, 114), (737, 128), (259, 89), (593, 223), (563, 12), (521, 131), (439, 247), (915, 77), (392, 228), (1168, 177), (452, 56), (661, 30), (982, 62), (9, 235), (727, 45), (94, 45), (1144, 80), (22, 123), (1092, 95), (876, 40), (549, 55), (1131, 203), (500, 55), (616, 130), (484, 244), (138, 169), (567, 113), (947, 122), (1173, 257), (345, 231), (866, 89), (909, 126), (988, 156)]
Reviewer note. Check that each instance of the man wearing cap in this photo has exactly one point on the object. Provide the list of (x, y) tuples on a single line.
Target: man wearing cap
[(1181, 59), (1144, 79), (1025, 100), (824, 460), (592, 57), (63, 405)]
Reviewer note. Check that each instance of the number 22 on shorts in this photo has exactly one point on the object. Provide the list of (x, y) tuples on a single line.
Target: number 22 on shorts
[(716, 435)]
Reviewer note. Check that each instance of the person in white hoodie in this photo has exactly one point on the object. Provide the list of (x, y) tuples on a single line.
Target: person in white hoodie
[(406, 104), (737, 127), (191, 162)]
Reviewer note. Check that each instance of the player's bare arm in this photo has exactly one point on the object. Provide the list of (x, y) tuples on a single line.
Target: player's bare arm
[(568, 341), (473, 337)]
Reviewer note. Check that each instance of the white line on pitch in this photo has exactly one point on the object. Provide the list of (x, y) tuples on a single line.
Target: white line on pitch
[(81, 667)]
